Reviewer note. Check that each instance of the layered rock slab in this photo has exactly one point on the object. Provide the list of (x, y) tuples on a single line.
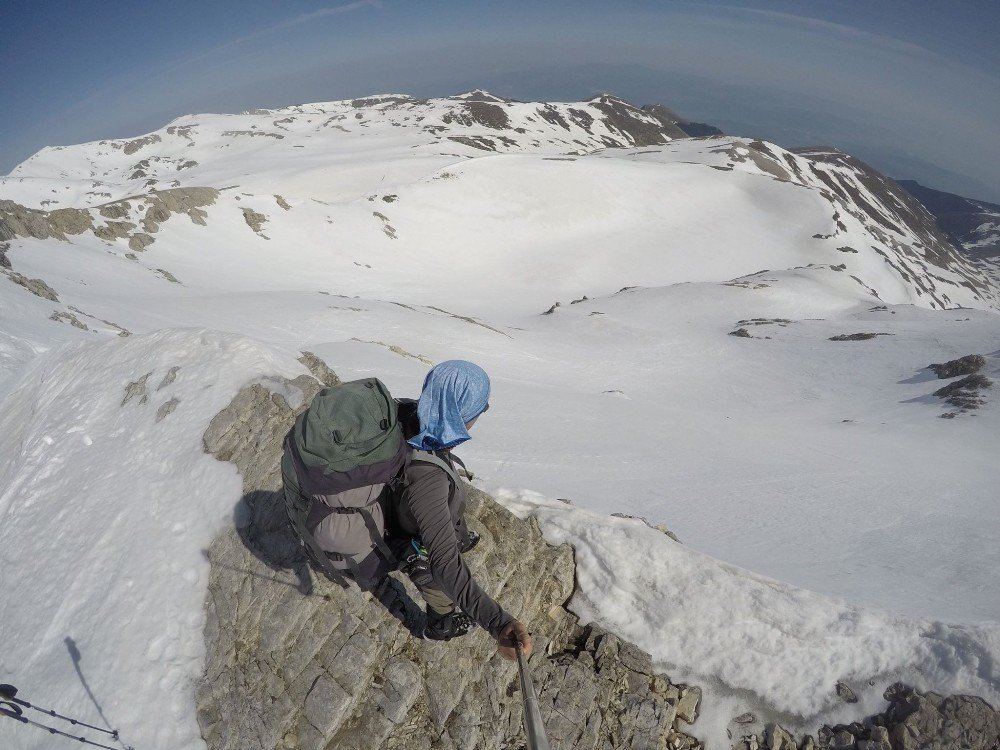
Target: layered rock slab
[(912, 721), (297, 662)]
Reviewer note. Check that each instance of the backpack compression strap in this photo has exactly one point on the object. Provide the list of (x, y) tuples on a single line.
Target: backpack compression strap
[(317, 553)]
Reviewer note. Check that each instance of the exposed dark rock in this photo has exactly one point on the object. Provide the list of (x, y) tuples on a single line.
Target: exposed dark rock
[(184, 131), (778, 738), (373, 101), (553, 308), (115, 210), (61, 317), (168, 276), (36, 286), (489, 115), (157, 213), (252, 133), (476, 141), (642, 128), (919, 721), (162, 204), (136, 389), (742, 333), (971, 225), (966, 365), (480, 95), (760, 155), (130, 147), (699, 129), (114, 230), (669, 120), (319, 369), (965, 393), (310, 665), (581, 118), (169, 378), (389, 229), (900, 208), (676, 126), (139, 241), (845, 693), (4, 260), (783, 322), (166, 409), (18, 221), (552, 116), (254, 220), (858, 336)]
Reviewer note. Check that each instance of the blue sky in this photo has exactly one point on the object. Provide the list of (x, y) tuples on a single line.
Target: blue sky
[(913, 87)]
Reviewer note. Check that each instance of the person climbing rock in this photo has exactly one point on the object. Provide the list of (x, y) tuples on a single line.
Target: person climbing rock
[(429, 509), (370, 486)]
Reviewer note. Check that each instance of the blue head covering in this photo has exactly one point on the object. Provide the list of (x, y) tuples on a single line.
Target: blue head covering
[(455, 392)]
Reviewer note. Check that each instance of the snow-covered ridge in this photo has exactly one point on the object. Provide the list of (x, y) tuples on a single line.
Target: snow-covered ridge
[(327, 162), (177, 154)]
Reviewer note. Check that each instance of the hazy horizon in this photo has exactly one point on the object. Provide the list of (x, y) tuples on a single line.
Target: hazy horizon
[(910, 87)]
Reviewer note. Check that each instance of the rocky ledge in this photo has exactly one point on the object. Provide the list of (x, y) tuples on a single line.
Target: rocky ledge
[(296, 662)]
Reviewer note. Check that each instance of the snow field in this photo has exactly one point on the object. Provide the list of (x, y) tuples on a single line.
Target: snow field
[(106, 511), (751, 642)]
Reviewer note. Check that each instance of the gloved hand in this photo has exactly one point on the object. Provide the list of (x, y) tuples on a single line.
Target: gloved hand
[(514, 632), (471, 540)]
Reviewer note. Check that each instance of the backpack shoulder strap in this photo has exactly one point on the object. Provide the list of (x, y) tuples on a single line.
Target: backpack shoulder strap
[(429, 457)]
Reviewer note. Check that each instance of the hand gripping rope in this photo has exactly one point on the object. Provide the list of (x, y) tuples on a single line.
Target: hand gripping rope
[(13, 707)]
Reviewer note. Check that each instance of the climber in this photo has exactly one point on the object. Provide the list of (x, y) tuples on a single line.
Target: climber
[(429, 508)]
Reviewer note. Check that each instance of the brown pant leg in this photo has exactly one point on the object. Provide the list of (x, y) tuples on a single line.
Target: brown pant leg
[(437, 601)]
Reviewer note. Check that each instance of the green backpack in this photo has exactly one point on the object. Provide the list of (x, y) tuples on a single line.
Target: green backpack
[(341, 457)]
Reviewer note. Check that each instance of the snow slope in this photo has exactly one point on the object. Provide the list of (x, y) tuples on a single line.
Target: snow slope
[(384, 246)]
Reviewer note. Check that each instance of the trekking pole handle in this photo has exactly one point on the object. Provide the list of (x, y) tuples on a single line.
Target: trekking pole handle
[(533, 726)]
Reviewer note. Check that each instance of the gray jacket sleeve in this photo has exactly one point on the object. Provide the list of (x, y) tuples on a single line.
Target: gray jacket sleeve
[(428, 502)]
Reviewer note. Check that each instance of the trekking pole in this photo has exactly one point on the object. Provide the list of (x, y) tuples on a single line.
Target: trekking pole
[(533, 726), (11, 707)]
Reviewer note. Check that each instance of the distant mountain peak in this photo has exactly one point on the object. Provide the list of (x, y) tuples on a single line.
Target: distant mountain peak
[(479, 95), (608, 98)]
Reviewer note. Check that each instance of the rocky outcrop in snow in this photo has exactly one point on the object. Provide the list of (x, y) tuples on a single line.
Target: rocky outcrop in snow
[(295, 662), (913, 721), (305, 664), (155, 207)]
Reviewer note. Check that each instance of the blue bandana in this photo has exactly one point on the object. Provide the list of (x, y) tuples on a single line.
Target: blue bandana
[(455, 392)]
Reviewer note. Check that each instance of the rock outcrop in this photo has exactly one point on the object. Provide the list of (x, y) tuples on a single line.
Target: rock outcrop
[(159, 205), (295, 662), (967, 365), (913, 721)]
